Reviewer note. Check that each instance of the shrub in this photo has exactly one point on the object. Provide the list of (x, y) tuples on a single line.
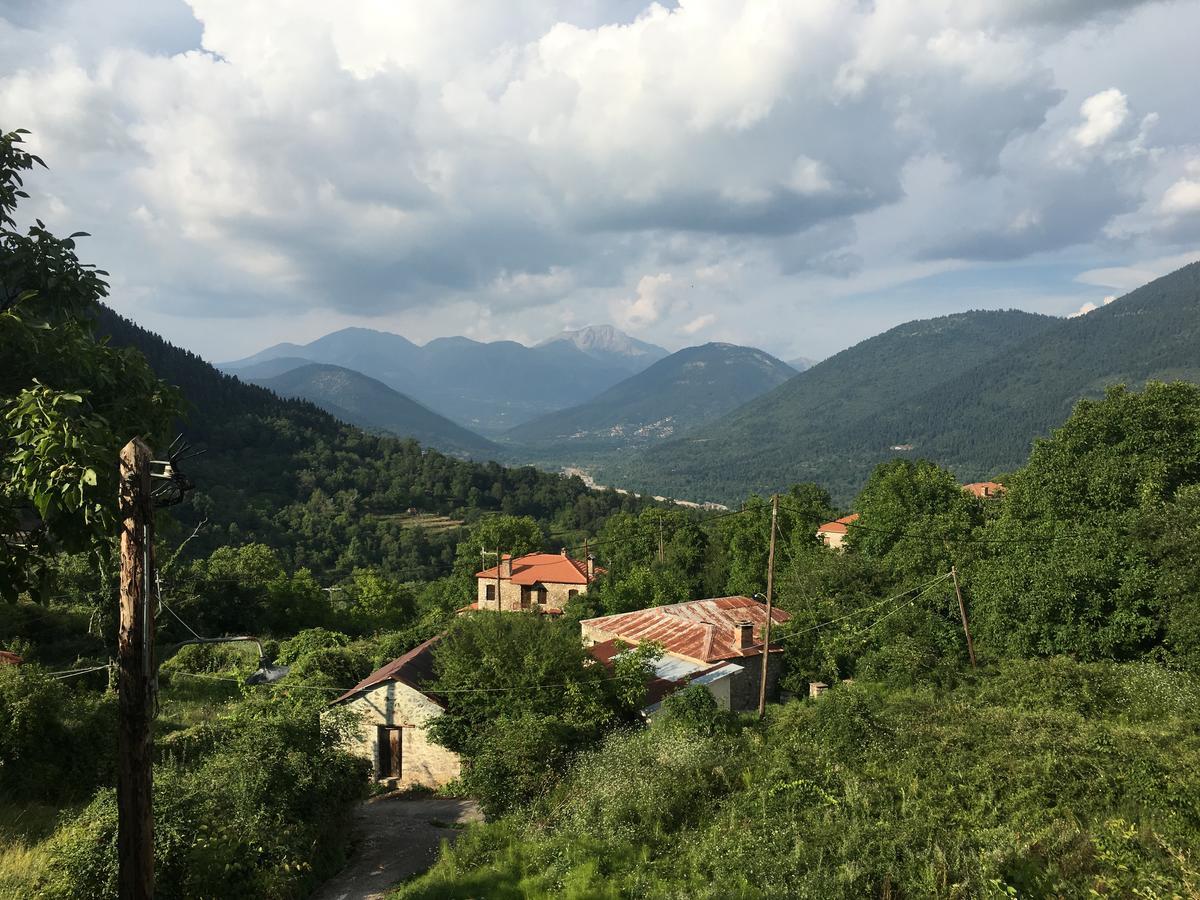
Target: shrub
[(307, 641)]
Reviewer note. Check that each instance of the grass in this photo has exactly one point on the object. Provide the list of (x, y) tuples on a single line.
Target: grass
[(24, 829)]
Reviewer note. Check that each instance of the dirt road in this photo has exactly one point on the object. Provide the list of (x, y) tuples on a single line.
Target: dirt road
[(397, 838)]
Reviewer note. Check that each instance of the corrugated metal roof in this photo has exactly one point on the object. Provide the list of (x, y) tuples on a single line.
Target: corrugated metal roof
[(547, 568), (414, 668), (704, 630)]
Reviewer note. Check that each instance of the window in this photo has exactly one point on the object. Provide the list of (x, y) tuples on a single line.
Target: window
[(541, 595), (491, 593), (572, 594), (526, 595)]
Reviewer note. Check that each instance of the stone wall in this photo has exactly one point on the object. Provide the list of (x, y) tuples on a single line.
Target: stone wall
[(393, 703), (557, 595)]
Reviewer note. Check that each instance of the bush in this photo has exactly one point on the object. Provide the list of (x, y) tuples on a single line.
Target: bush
[(335, 667), (264, 815), (211, 659), (307, 641)]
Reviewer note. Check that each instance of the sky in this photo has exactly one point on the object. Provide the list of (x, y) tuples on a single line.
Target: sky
[(796, 176)]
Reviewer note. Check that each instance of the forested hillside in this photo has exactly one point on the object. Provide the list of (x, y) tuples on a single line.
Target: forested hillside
[(677, 393), (970, 391), (794, 432), (325, 494), (370, 404)]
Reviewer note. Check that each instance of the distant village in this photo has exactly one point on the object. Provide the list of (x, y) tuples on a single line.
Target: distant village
[(716, 643)]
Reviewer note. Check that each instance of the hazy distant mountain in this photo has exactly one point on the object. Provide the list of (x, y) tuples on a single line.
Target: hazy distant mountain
[(371, 404), (609, 344), (802, 363), (488, 387), (970, 391), (677, 393), (269, 368)]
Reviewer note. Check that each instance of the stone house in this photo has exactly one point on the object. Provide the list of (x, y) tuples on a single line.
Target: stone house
[(542, 581), (833, 534), (393, 708), (715, 642)]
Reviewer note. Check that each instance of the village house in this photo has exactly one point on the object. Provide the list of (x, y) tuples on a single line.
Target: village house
[(716, 643), (393, 708), (985, 490), (542, 581), (833, 534)]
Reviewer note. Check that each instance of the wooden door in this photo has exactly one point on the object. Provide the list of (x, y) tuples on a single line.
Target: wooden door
[(391, 751), (525, 596)]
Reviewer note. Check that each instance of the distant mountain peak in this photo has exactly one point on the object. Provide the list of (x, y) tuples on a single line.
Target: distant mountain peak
[(607, 340)]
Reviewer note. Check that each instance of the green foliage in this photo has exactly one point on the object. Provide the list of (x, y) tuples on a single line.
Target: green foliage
[(68, 402), (55, 745), (910, 515), (538, 662), (1002, 787), (308, 641), (266, 814), (694, 709), (520, 758), (1095, 542), (516, 535)]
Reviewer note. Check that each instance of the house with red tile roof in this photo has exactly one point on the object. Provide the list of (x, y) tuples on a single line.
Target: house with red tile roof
[(541, 581), (7, 658), (393, 707), (833, 534), (985, 490), (715, 642)]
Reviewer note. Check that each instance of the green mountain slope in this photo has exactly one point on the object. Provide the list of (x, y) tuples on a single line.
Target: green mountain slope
[(685, 389), (790, 433), (371, 404), (970, 391), (326, 494)]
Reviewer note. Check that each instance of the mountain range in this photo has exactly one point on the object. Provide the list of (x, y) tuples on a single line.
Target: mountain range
[(970, 391), (487, 387), (675, 394)]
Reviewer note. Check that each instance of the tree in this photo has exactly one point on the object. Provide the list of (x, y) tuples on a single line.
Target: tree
[(913, 517), (68, 402), (517, 535), (1090, 553), (534, 666)]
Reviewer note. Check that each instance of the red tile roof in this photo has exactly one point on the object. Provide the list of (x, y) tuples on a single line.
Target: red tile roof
[(9, 659), (703, 630), (547, 568), (985, 488), (414, 668), (838, 526)]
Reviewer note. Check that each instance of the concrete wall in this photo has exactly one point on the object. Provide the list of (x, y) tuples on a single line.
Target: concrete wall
[(422, 761), (557, 595)]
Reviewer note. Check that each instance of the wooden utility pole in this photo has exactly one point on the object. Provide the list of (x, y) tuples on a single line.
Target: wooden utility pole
[(766, 631), (962, 611), (135, 674), (661, 556), (499, 607)]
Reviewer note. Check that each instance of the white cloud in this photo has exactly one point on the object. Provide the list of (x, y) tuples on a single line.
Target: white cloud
[(1182, 198), (405, 161), (1103, 114), (698, 324)]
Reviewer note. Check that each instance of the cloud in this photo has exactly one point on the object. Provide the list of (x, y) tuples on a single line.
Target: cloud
[(1090, 307), (698, 324), (405, 162), (1103, 114)]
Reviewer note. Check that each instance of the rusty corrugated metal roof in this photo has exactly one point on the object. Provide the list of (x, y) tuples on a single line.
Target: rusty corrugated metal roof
[(414, 668), (704, 630)]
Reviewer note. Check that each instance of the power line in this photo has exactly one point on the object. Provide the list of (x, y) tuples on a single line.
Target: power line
[(924, 588)]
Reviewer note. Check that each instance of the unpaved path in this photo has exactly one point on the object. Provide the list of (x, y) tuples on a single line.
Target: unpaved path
[(396, 839)]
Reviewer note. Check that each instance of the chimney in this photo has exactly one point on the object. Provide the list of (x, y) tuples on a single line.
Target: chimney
[(563, 551), (743, 635), (591, 566), (506, 566)]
